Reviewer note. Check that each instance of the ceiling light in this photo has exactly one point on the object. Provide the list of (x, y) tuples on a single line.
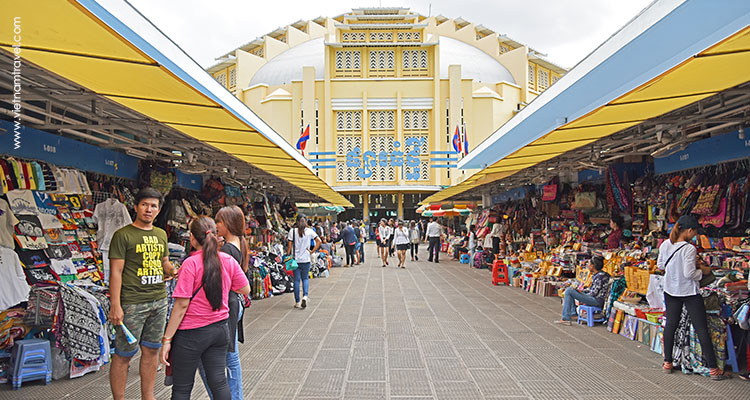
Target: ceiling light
[(742, 133), (136, 153), (550, 168)]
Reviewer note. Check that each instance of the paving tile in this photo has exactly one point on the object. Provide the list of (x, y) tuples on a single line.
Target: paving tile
[(447, 369), (409, 382), (367, 369), (365, 391), (322, 383)]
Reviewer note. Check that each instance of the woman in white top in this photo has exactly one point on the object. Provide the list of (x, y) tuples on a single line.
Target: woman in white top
[(682, 274), (472, 241), (383, 233), (300, 238), (401, 242)]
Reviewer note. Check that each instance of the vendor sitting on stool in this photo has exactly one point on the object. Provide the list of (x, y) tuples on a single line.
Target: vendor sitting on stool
[(595, 295)]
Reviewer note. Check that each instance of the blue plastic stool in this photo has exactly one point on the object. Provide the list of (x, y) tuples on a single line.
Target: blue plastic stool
[(527, 282), (589, 312), (731, 353), (465, 258), (30, 360)]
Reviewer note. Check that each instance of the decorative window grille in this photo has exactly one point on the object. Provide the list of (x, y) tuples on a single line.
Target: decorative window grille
[(380, 143), (381, 37), (504, 49), (353, 37), (383, 174), (382, 63), (424, 139), (409, 37), (348, 63), (543, 79), (416, 120), (344, 173), (222, 78), (555, 78), (233, 78), (383, 120), (349, 120), (258, 51), (531, 75), (347, 143), (414, 62)]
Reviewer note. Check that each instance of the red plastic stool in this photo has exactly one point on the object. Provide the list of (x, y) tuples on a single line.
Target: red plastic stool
[(500, 273), (444, 247)]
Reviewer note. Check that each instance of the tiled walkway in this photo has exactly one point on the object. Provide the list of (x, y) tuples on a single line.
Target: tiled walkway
[(430, 331)]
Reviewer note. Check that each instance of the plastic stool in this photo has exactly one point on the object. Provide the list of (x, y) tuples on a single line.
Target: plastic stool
[(500, 273), (464, 258), (731, 353), (444, 247), (527, 281), (30, 360), (589, 314)]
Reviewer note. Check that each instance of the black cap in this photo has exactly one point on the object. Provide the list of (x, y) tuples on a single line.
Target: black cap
[(688, 222)]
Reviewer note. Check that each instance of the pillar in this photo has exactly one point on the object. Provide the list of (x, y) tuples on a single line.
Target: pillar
[(400, 205), (365, 208)]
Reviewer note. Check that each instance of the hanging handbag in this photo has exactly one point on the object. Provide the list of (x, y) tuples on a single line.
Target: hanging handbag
[(549, 192), (289, 262), (742, 316)]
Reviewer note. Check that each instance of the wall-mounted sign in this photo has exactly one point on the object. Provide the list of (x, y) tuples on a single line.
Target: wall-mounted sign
[(366, 161)]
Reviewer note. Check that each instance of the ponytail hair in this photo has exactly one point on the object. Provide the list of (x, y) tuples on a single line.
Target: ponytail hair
[(203, 230), (301, 225), (674, 235), (234, 220)]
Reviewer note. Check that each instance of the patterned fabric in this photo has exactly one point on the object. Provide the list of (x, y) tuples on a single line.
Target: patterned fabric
[(80, 326), (599, 286), (717, 330)]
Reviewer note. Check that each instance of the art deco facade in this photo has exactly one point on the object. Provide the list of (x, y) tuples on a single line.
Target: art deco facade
[(383, 91)]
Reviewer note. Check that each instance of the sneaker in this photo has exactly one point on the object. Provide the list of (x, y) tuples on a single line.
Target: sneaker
[(416, 258), (563, 322), (304, 302), (668, 367), (297, 305)]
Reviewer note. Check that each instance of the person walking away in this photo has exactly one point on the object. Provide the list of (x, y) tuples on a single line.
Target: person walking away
[(357, 242), (595, 295), (472, 241), (414, 237), (423, 230), (230, 224), (139, 263), (433, 237), (349, 239), (383, 233), (300, 238), (682, 274), (362, 240), (197, 330), (401, 242)]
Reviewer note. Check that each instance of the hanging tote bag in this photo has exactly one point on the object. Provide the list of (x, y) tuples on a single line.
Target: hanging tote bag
[(549, 192), (289, 262)]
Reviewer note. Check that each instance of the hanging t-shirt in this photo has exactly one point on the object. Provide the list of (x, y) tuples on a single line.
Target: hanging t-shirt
[(8, 222), (22, 202), (49, 178), (38, 176), (13, 286), (143, 251), (28, 172), (50, 221), (110, 215), (29, 225), (44, 203), (302, 243)]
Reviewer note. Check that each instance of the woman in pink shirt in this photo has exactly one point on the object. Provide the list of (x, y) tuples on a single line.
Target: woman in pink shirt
[(197, 329)]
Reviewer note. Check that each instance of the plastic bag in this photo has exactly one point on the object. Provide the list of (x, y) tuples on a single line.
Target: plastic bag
[(742, 316), (655, 294), (60, 364)]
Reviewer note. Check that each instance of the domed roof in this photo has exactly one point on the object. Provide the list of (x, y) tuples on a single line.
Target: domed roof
[(475, 64), (287, 66)]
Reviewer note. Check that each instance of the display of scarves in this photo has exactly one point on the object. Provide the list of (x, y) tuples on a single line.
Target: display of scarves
[(80, 325), (618, 192), (618, 288), (718, 332)]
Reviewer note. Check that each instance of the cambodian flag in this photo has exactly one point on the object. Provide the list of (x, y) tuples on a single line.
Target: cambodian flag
[(303, 138), (457, 141), (466, 142)]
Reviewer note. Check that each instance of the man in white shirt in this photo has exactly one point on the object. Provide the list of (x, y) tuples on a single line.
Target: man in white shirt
[(434, 231)]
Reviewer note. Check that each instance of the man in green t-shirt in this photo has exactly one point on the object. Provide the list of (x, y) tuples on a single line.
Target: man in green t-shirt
[(139, 263)]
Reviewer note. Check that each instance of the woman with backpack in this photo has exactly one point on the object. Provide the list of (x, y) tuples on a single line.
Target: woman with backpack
[(301, 239), (197, 330)]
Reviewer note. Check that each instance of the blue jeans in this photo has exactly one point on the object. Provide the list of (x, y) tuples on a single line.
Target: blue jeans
[(301, 273), (569, 306), (234, 371)]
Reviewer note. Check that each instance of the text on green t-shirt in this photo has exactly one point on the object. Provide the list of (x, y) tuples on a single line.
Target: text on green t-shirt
[(142, 275)]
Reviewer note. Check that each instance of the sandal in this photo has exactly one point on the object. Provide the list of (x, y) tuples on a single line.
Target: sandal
[(717, 374), (668, 367)]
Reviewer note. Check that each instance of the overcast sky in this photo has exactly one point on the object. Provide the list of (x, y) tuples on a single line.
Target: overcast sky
[(566, 30)]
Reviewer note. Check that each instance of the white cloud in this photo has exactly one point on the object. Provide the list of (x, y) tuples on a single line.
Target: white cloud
[(566, 30)]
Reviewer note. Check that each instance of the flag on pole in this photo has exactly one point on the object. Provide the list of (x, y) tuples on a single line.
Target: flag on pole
[(466, 141), (304, 136), (457, 141)]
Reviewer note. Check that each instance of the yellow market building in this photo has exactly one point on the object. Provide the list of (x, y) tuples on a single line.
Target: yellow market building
[(387, 95)]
